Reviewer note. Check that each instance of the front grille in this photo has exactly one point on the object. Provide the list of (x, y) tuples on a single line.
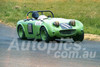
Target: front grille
[(67, 31), (65, 26)]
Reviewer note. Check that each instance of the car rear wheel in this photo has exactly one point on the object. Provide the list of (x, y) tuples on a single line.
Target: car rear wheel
[(79, 37), (20, 32), (44, 34)]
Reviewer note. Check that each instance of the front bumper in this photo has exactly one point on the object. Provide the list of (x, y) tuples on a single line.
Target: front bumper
[(65, 33)]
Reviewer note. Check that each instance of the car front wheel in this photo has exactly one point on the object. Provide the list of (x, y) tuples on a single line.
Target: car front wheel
[(79, 37), (44, 34)]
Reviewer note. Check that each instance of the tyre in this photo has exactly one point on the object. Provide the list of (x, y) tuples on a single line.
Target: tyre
[(44, 34), (79, 37), (20, 32)]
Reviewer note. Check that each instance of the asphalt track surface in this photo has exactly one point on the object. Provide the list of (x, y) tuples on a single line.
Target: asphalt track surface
[(40, 58)]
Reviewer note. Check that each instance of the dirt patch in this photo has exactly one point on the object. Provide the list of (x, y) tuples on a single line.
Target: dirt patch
[(92, 37), (8, 24)]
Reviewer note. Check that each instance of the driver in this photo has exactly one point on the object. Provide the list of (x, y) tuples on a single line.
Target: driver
[(41, 17)]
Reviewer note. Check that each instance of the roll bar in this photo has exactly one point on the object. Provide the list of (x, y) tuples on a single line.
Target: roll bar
[(41, 12)]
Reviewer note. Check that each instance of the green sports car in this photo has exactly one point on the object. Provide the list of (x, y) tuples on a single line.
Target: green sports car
[(48, 28)]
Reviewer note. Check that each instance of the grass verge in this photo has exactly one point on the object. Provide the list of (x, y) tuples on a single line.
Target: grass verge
[(87, 11)]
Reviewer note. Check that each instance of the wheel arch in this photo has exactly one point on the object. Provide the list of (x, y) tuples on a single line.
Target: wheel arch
[(22, 27), (48, 30), (45, 27)]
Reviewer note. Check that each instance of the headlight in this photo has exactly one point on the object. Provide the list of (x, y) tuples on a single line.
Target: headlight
[(72, 23), (56, 24)]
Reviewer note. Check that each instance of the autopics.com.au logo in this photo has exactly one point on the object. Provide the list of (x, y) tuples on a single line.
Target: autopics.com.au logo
[(59, 50)]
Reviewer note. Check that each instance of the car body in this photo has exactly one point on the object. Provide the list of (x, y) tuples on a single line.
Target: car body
[(49, 28)]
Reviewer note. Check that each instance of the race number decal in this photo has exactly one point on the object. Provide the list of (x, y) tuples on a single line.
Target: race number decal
[(38, 23), (30, 28)]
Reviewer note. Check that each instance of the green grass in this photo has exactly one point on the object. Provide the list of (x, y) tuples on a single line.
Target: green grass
[(87, 11)]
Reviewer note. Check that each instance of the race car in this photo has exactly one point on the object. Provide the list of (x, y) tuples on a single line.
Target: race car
[(48, 28)]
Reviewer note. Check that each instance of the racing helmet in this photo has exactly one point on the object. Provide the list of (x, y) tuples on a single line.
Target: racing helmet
[(35, 14)]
